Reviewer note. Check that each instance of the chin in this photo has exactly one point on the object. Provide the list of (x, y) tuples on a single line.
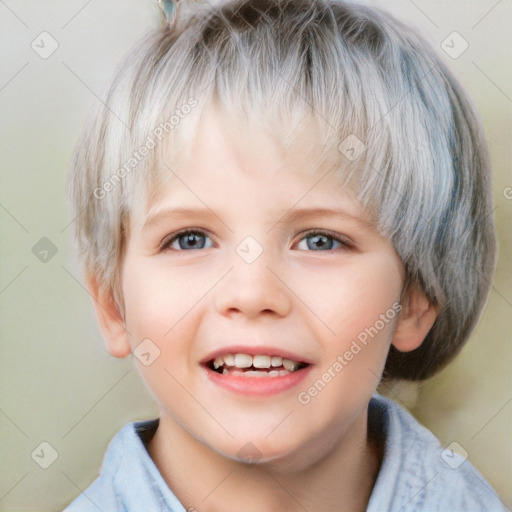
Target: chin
[(259, 450)]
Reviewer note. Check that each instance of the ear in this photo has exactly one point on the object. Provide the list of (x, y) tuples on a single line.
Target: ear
[(110, 320), (415, 320)]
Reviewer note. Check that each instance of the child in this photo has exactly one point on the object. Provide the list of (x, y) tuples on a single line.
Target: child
[(259, 132)]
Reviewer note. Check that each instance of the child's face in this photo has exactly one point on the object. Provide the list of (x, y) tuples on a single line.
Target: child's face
[(304, 298)]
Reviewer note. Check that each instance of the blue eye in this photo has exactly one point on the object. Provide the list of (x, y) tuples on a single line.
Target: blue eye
[(195, 239), (187, 240), (319, 241)]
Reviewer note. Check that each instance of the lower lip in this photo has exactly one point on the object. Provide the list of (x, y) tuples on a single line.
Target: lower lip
[(258, 386)]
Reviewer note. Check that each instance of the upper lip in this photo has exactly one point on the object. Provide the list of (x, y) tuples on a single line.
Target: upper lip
[(255, 350)]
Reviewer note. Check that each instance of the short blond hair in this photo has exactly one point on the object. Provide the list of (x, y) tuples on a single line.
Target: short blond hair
[(353, 71)]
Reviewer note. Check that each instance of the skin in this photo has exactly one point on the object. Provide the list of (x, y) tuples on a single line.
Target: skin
[(294, 296)]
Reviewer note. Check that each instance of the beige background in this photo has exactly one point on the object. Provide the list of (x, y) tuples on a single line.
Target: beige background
[(57, 382)]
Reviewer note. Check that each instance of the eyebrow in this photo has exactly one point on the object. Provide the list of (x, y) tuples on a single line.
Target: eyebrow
[(293, 215), (298, 214), (167, 213)]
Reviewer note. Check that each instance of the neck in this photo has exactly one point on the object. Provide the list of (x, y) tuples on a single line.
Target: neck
[(340, 479)]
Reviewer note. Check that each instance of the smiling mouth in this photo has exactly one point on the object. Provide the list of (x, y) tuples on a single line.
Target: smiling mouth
[(254, 366)]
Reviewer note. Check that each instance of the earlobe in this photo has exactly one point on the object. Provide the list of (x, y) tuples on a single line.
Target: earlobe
[(415, 321), (110, 320)]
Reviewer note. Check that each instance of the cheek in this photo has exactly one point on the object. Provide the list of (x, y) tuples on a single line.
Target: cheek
[(161, 306), (361, 309), (159, 299), (369, 293), (352, 297)]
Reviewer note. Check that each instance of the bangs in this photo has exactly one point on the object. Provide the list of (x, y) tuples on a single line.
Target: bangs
[(378, 106)]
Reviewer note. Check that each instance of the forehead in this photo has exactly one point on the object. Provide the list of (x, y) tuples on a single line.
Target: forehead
[(230, 150)]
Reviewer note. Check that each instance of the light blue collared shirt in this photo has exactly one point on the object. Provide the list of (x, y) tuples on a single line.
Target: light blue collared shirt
[(416, 474)]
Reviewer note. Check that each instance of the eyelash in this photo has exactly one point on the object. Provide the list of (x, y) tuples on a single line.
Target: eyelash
[(345, 244)]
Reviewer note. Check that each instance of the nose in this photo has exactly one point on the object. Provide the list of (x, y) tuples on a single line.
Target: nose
[(251, 290)]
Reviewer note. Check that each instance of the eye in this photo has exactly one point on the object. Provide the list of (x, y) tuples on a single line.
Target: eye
[(186, 241), (321, 241)]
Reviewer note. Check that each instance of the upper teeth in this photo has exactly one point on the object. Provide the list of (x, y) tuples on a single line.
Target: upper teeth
[(259, 361)]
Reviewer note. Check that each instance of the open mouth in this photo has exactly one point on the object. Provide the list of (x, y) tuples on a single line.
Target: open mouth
[(245, 365)]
